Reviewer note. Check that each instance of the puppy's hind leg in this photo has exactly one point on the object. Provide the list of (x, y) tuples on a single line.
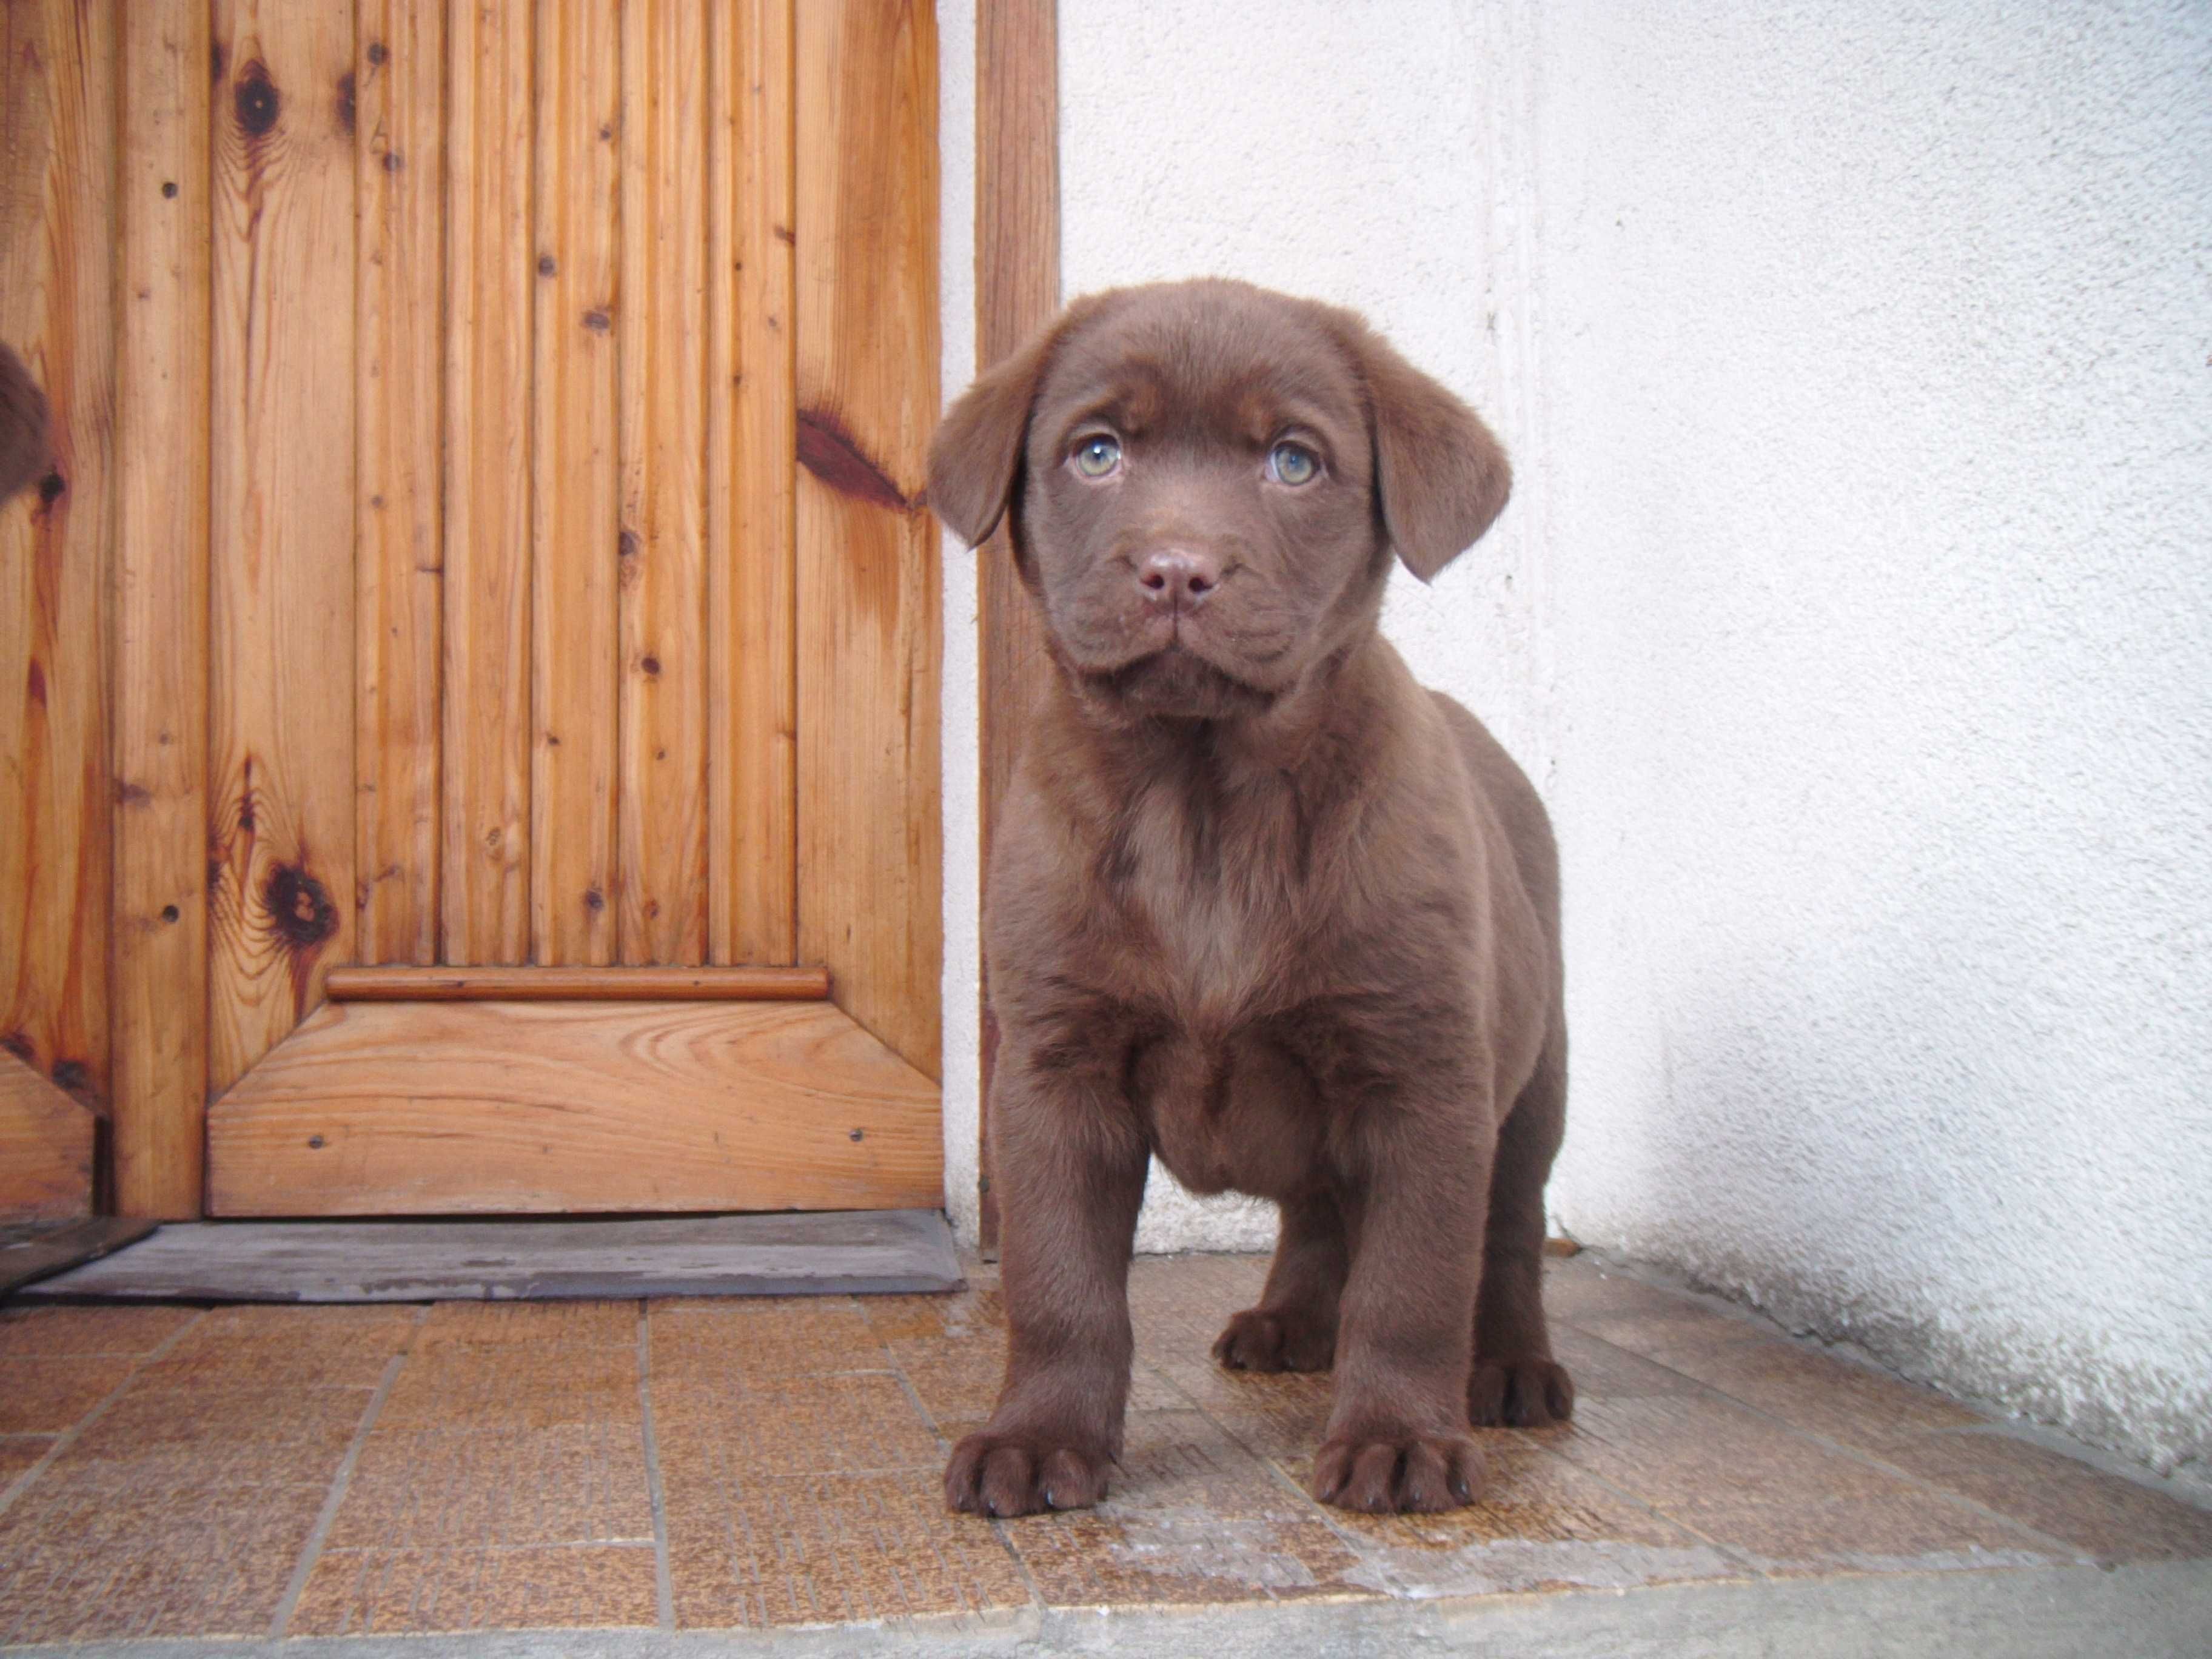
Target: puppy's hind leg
[(1294, 1327), (1515, 1380)]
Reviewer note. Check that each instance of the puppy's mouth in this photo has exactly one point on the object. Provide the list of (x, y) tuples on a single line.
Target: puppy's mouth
[(1176, 681)]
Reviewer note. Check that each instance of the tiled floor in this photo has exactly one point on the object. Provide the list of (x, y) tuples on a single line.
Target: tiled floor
[(284, 1471)]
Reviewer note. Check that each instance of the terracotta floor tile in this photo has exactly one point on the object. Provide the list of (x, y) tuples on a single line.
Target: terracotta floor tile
[(149, 1420), (1671, 1450), (752, 1340), (18, 1452), (1682, 1329), (1602, 1371), (491, 1386), (401, 1591), (1578, 1288), (1191, 1516), (1540, 1524), (811, 1425), (471, 1488), (557, 1324), (79, 1565), (954, 1381), (298, 1347), (1910, 1532), (47, 1396), (2113, 1519), (1271, 1415), (957, 1315), (1826, 1395), (829, 1547), (48, 1332), (1178, 1304)]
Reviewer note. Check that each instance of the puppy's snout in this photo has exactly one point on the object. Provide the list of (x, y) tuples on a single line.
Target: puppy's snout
[(1176, 578)]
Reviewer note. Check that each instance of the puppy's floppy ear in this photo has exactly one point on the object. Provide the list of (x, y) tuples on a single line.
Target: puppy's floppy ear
[(22, 425), (1441, 474), (977, 452)]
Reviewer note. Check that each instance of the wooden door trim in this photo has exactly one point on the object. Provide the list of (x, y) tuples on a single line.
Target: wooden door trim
[(578, 984), (1016, 292)]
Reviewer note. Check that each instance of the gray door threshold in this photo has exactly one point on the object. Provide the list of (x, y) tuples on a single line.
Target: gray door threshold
[(794, 1254)]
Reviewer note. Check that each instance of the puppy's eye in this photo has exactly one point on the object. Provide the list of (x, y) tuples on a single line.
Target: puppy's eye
[(1095, 457), (1292, 464)]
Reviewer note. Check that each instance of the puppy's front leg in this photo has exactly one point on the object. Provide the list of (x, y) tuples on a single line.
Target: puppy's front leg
[(1415, 1185), (1070, 1178)]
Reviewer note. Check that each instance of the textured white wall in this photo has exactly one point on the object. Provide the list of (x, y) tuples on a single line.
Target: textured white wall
[(1853, 610), (1876, 418)]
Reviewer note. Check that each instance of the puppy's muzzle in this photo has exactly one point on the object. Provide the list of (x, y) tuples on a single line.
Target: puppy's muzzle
[(1176, 579)]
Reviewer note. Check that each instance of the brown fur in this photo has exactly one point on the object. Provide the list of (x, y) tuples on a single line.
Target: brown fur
[(22, 425), (1258, 902)]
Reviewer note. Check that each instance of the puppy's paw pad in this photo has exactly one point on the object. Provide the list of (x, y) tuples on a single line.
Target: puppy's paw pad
[(1527, 1392), (997, 1474), (1258, 1340), (1391, 1473)]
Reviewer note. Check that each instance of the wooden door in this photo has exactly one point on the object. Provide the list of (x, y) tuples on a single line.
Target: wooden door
[(471, 680)]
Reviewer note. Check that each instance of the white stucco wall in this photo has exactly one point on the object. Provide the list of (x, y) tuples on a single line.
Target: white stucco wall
[(1852, 613)]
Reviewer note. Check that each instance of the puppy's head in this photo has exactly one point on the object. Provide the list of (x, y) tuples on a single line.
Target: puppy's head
[(1206, 483)]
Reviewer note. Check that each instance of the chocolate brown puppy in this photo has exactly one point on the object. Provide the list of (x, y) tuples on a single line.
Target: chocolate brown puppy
[(1258, 902)]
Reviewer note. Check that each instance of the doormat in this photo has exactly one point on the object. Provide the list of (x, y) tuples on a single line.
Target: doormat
[(37, 1250), (838, 1253)]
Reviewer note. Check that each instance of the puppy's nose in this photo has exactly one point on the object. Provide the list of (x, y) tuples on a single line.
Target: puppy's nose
[(1175, 578)]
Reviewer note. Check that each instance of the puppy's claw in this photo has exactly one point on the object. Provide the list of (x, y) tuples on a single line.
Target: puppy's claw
[(1394, 1474), (1004, 1475), (1275, 1339), (1527, 1393)]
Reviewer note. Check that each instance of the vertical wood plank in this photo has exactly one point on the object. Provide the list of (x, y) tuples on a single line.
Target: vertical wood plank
[(160, 963), (399, 158), (56, 307), (752, 772), (575, 512), (281, 521), (869, 822), (662, 793), (485, 887), (1016, 292)]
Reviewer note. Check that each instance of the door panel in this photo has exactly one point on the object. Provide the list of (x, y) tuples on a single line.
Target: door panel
[(568, 600)]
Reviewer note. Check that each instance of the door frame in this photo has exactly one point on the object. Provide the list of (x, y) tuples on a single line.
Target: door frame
[(1016, 292)]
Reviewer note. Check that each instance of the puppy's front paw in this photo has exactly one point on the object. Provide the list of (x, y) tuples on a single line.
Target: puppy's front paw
[(1021, 1475), (1397, 1474), (1528, 1394), (1263, 1340)]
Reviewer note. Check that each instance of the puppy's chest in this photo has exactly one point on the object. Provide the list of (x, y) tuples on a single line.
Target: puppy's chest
[(1218, 904)]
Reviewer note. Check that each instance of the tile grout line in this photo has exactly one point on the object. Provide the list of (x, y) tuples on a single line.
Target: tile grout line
[(311, 1551), (944, 1451), (67, 1436), (1315, 1509), (663, 1583)]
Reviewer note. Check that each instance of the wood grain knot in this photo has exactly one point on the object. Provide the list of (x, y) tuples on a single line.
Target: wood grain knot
[(345, 103), (51, 488), (830, 452), (255, 100), (299, 907)]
